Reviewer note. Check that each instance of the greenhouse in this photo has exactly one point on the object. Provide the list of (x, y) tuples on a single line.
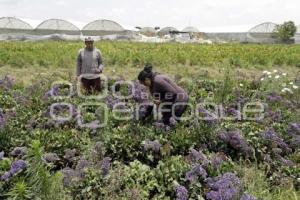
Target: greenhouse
[(57, 26), (262, 33), (297, 36), (267, 27), (9, 25), (102, 27), (166, 31), (148, 31), (191, 29)]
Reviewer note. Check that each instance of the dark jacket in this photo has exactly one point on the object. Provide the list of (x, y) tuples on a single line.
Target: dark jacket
[(166, 90)]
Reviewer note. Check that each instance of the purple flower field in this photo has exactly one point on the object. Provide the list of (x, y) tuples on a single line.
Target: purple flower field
[(209, 156)]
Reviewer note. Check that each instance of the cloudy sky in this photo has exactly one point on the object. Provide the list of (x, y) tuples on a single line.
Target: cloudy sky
[(207, 15)]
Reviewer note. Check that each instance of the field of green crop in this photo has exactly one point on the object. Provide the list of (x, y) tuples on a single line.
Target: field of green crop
[(240, 140), (124, 58)]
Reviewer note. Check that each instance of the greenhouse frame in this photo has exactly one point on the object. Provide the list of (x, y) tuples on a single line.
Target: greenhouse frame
[(102, 27), (12, 25), (297, 36), (57, 26), (166, 31), (262, 33), (148, 31), (190, 29), (12, 28)]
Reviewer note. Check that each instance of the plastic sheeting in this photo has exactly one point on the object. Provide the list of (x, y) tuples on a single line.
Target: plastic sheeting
[(191, 29), (267, 27), (148, 31), (102, 27), (246, 37), (57, 26), (14, 25), (166, 31), (298, 29), (297, 38), (226, 37), (27, 37)]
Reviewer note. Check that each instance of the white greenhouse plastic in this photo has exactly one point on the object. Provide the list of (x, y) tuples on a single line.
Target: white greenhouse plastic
[(14, 25), (102, 27), (148, 31), (57, 26), (267, 27), (166, 31), (191, 29)]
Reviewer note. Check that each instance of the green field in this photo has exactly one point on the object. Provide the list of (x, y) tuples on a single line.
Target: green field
[(126, 58), (137, 160)]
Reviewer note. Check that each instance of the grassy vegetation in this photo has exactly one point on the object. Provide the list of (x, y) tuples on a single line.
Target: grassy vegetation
[(29, 59)]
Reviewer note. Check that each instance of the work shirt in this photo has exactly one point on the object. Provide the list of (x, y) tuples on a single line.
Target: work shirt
[(165, 90), (89, 63)]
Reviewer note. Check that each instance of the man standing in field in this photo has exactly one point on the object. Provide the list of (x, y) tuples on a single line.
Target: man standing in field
[(89, 67)]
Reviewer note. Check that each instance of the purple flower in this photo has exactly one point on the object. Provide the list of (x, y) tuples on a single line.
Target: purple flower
[(208, 117), (196, 156), (195, 172), (274, 116), (19, 151), (236, 141), (111, 101), (247, 197), (52, 92), (105, 166), (94, 124), (2, 118), (295, 142), (217, 160), (81, 167), (82, 164), (294, 129), (286, 162), (68, 175), (181, 193), (235, 113), (223, 136), (225, 187), (7, 83), (70, 154), (268, 159), (6, 176), (138, 91), (161, 126), (17, 166), (272, 139), (274, 97), (213, 195), (152, 146), (51, 157)]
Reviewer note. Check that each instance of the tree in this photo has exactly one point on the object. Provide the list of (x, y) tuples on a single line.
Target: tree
[(285, 31)]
